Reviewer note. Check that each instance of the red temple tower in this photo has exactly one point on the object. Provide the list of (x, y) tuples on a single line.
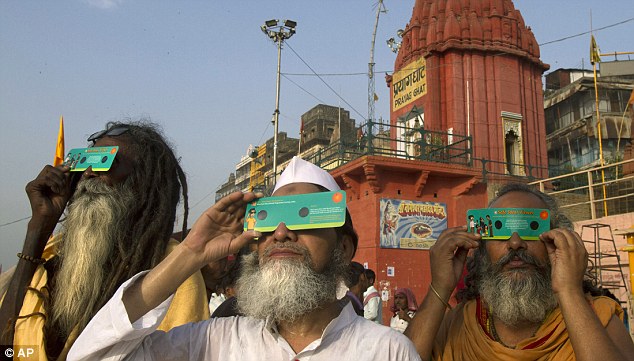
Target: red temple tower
[(466, 115), (473, 67)]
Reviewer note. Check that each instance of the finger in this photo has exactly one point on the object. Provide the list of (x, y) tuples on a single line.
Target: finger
[(461, 254), (467, 242), (459, 262), (68, 184), (63, 168), (552, 241), (451, 242), (451, 233), (550, 246), (237, 209), (54, 178), (239, 204), (562, 239), (242, 240), (574, 242), (224, 203), (577, 237), (63, 180)]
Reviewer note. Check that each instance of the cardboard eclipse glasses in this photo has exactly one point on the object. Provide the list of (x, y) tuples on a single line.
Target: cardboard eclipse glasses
[(99, 158), (500, 223), (300, 211)]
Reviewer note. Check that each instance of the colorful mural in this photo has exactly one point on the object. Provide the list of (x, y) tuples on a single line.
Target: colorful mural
[(411, 224)]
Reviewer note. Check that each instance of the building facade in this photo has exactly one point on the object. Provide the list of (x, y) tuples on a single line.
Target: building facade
[(324, 123), (227, 187), (572, 121)]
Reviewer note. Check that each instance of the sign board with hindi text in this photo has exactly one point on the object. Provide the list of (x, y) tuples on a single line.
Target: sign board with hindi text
[(409, 83)]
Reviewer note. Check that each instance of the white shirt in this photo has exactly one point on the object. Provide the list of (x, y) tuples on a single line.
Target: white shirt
[(110, 336), (215, 301), (400, 325), (373, 309)]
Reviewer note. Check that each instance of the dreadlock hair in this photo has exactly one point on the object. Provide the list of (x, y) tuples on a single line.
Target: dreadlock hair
[(557, 220), (157, 181), (140, 242)]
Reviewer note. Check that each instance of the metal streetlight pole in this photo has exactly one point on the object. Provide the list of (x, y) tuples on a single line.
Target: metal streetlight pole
[(278, 32)]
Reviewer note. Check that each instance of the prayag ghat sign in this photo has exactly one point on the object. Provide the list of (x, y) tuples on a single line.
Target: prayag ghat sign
[(409, 84), (411, 224)]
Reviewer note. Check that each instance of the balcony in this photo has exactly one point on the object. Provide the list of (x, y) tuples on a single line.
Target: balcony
[(412, 144)]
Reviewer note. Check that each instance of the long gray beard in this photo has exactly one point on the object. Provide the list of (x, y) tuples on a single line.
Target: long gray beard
[(287, 289), (96, 220), (519, 295)]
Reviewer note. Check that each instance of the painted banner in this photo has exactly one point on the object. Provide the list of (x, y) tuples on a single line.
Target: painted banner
[(411, 224), (409, 83)]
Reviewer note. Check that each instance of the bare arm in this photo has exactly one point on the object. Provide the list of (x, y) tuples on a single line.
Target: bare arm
[(447, 258), (48, 194), (216, 234), (589, 338)]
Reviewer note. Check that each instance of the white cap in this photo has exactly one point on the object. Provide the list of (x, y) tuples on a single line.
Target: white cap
[(301, 171)]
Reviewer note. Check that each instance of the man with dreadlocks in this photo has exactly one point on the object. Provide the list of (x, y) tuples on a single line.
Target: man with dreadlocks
[(117, 224), (524, 299)]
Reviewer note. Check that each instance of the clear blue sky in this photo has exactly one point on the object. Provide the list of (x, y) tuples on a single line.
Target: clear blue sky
[(206, 73)]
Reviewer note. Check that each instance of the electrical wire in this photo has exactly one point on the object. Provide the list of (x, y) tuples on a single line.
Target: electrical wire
[(306, 91), (498, 54), (323, 81), (314, 73), (16, 221), (586, 32)]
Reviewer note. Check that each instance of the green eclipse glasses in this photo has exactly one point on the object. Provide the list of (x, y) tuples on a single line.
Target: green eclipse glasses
[(300, 211), (501, 223)]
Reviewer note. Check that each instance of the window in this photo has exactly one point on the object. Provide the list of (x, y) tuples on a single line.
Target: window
[(604, 105), (577, 109), (588, 105), (513, 143)]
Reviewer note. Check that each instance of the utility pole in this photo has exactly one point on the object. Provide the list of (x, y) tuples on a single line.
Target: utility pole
[(371, 93), (278, 32), (595, 57)]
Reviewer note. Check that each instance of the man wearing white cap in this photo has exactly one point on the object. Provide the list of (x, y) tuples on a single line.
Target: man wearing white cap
[(287, 290)]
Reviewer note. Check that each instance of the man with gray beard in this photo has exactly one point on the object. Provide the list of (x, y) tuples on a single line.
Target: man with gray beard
[(524, 299), (287, 292), (516, 295), (117, 223)]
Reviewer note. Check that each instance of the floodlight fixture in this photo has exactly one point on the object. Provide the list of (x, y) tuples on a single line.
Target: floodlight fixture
[(278, 33), (393, 44)]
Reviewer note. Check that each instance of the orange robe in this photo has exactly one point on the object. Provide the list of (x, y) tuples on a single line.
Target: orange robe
[(189, 305), (462, 336)]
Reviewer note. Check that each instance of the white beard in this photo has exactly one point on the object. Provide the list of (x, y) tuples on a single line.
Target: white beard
[(285, 290), (90, 231), (521, 295)]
